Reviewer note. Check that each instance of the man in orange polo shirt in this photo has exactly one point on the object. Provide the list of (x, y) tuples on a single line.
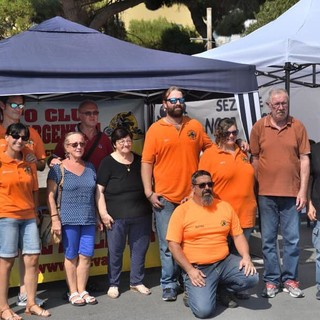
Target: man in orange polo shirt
[(197, 234), (280, 148), (170, 156)]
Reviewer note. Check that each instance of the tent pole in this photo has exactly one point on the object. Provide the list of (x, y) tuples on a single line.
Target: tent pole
[(287, 68)]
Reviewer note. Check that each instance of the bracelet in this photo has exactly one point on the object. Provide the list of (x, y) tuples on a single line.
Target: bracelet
[(150, 195), (53, 215)]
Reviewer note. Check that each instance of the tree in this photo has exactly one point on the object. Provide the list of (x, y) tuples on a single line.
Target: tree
[(270, 11), (162, 35), (15, 16)]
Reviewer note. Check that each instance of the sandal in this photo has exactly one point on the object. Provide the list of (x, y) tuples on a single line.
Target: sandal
[(76, 300), (37, 311), (141, 288), (12, 316), (89, 299)]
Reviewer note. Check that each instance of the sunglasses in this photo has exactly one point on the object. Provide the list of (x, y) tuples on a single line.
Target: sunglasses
[(229, 133), (17, 137), (175, 100), (76, 144), (90, 113), (14, 105), (204, 184)]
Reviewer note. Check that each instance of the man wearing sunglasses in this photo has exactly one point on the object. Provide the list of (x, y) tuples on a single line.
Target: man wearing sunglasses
[(12, 110), (198, 240), (98, 145)]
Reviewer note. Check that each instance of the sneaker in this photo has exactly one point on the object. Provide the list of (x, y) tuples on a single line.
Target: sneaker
[(292, 287), (22, 300), (169, 294), (113, 292), (227, 299), (318, 295), (270, 290)]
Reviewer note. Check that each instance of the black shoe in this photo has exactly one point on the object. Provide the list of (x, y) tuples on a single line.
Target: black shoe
[(169, 294), (227, 299), (318, 295)]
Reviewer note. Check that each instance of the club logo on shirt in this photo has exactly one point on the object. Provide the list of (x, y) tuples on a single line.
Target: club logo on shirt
[(223, 223), (191, 134), (245, 159), (27, 170)]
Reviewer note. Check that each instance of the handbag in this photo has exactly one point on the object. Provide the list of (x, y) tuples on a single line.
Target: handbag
[(47, 236)]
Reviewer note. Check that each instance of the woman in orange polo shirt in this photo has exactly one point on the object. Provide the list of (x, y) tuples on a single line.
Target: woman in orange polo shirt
[(232, 173), (233, 178), (18, 226)]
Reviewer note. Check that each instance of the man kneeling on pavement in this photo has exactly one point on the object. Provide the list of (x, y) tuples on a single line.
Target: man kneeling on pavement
[(197, 236)]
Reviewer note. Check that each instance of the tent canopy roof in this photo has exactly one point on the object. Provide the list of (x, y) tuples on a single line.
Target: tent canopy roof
[(59, 56), (289, 43)]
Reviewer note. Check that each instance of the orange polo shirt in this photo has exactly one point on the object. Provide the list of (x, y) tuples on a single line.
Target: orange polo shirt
[(203, 231), (233, 177), (174, 155), (17, 183)]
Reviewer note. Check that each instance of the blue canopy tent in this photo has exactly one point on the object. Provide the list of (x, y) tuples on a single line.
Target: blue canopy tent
[(61, 57)]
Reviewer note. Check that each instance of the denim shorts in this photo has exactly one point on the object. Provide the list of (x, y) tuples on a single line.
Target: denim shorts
[(18, 234), (77, 240)]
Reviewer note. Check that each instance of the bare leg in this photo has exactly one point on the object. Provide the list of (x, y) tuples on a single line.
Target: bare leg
[(31, 276), (5, 269), (70, 266), (83, 272), (22, 271)]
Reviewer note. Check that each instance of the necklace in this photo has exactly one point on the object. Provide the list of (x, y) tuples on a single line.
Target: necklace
[(128, 167)]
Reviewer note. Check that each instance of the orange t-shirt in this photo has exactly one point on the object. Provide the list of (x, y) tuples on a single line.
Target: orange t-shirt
[(233, 177), (35, 143), (17, 184), (203, 231), (174, 155), (279, 156)]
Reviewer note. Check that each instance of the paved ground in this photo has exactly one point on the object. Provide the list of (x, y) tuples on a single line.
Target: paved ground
[(133, 306)]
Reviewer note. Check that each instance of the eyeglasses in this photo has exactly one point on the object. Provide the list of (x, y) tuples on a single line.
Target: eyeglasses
[(175, 100), (17, 137), (122, 142), (229, 133), (204, 184), (14, 105), (90, 113), (76, 144)]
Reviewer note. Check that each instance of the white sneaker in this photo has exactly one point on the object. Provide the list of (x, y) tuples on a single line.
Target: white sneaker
[(22, 300), (113, 292)]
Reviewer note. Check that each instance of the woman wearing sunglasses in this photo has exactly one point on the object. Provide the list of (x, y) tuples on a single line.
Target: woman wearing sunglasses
[(233, 175), (18, 226), (77, 219), (125, 212)]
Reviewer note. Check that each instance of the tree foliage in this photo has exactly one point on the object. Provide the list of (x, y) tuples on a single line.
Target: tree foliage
[(15, 16), (162, 35), (270, 11)]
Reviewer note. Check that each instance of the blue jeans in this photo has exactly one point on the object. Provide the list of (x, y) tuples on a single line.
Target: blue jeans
[(138, 231), (169, 268), (316, 244), (226, 273), (275, 211)]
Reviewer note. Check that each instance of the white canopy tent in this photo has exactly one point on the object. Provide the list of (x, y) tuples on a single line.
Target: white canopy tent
[(286, 53)]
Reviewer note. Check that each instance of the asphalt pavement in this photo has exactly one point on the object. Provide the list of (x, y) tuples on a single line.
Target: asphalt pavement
[(131, 305)]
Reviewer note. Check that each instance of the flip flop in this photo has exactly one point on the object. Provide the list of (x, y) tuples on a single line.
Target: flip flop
[(75, 298), (141, 289), (89, 299), (37, 311), (13, 316)]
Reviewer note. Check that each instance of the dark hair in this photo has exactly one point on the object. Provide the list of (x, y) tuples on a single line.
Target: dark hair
[(222, 127), (16, 128), (199, 173), (120, 133), (168, 91), (5, 99)]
